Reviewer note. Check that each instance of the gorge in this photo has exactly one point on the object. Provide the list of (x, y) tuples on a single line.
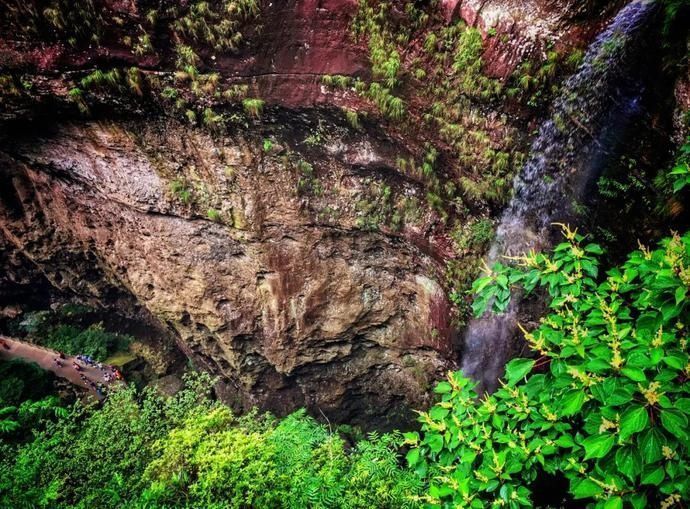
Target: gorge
[(296, 197)]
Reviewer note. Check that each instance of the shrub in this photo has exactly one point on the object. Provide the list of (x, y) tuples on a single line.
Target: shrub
[(605, 404), (147, 450), (213, 215), (253, 106)]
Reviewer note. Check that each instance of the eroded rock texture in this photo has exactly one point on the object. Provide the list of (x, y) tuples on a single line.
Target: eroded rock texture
[(301, 257), (290, 310)]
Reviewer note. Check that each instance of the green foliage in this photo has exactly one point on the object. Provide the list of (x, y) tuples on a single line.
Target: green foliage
[(253, 106), (680, 174), (95, 458), (98, 78), (216, 25), (188, 451), (605, 403), (72, 336), (213, 215), (76, 22), (353, 118), (308, 183), (181, 189), (214, 121)]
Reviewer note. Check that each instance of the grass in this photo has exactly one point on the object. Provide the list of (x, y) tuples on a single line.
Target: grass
[(253, 106)]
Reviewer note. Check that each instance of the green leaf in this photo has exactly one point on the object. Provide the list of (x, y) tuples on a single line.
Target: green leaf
[(650, 443), (634, 374), (411, 437), (683, 404), (572, 402), (517, 369), (628, 462), (597, 446), (675, 422), (676, 360), (412, 457), (586, 489), (633, 420), (638, 501), (614, 503), (654, 476), (434, 441), (438, 413), (443, 388), (565, 441)]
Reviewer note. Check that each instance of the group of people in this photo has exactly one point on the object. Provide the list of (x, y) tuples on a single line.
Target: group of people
[(110, 373), (80, 364)]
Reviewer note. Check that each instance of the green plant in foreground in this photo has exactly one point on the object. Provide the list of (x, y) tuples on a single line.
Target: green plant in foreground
[(605, 404)]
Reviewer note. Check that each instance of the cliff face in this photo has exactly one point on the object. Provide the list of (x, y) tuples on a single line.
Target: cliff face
[(291, 305), (296, 257)]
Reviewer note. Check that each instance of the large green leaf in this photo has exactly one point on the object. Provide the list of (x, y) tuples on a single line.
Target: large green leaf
[(675, 422), (572, 402), (412, 457), (650, 443), (586, 489), (597, 446), (633, 420), (517, 369), (635, 374), (614, 503), (654, 475), (434, 441), (629, 462), (443, 388)]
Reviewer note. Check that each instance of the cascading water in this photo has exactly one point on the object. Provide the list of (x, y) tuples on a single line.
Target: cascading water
[(597, 104)]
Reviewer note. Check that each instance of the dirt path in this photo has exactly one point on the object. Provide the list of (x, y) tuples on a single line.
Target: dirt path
[(45, 358)]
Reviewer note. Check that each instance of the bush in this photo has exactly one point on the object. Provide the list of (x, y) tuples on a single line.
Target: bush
[(605, 404), (189, 451), (253, 106)]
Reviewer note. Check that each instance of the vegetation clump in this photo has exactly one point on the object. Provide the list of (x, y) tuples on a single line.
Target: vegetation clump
[(605, 404), (150, 450)]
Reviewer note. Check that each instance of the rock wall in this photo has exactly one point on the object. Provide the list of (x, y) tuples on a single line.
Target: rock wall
[(249, 244), (288, 311)]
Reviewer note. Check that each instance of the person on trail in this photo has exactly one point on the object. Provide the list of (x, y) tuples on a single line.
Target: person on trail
[(76, 366), (57, 362)]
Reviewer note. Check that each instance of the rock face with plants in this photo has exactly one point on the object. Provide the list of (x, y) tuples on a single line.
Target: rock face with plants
[(298, 194), (460, 224)]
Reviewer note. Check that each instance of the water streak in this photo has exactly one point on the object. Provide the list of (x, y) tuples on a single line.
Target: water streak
[(596, 105)]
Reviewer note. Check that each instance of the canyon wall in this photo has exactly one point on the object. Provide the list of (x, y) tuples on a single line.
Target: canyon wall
[(293, 256)]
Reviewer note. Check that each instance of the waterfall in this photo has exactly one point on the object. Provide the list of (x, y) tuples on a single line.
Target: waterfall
[(596, 104)]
